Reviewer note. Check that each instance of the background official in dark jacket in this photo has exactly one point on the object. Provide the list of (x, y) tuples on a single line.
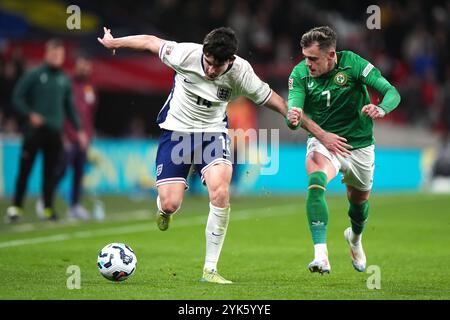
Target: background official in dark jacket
[(43, 99)]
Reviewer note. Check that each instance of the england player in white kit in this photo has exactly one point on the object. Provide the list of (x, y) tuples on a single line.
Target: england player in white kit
[(206, 78), (198, 101)]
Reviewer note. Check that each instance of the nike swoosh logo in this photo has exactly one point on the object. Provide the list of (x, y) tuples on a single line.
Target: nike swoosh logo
[(217, 235), (188, 81)]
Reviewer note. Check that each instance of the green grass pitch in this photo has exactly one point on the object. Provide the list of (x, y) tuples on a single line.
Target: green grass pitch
[(266, 252)]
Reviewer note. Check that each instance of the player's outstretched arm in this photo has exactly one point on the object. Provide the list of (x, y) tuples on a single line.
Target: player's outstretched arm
[(391, 97), (137, 42), (277, 103)]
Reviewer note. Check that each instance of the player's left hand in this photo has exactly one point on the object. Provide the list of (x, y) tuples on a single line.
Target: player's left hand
[(373, 111)]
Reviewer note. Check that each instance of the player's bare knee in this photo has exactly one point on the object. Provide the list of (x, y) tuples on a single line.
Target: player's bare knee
[(169, 205), (169, 208), (219, 196)]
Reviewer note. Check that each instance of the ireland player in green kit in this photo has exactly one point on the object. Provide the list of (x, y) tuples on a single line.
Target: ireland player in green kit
[(330, 88)]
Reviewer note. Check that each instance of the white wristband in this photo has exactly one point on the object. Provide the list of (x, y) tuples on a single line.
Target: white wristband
[(381, 111)]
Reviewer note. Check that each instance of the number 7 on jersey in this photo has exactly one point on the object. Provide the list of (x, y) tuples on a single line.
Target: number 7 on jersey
[(327, 92)]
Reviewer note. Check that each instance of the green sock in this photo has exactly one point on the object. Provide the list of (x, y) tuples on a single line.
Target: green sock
[(358, 214), (316, 207)]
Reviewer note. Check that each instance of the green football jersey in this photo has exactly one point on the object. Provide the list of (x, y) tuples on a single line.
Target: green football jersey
[(335, 99)]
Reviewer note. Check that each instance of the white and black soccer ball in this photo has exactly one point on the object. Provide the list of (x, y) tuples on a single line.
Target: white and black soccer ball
[(117, 262)]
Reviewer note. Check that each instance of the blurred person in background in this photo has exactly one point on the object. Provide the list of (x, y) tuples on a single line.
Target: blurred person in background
[(207, 77), (331, 88), (75, 154), (43, 98), (11, 69)]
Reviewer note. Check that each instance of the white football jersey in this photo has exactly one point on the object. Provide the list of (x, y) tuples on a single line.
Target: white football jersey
[(197, 104)]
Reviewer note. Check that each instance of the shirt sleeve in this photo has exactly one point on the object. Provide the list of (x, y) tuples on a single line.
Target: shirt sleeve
[(297, 91), (21, 92), (173, 54), (253, 87), (371, 76)]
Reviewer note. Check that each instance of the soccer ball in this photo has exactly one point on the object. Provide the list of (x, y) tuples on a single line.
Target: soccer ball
[(117, 262)]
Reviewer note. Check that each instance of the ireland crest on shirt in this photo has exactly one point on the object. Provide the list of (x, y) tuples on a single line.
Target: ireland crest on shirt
[(340, 78), (223, 93)]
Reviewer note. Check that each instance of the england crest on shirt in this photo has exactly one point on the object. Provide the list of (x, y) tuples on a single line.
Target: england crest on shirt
[(159, 169), (223, 93)]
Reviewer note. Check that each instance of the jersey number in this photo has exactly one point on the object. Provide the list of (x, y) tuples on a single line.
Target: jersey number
[(225, 146), (204, 102), (327, 92)]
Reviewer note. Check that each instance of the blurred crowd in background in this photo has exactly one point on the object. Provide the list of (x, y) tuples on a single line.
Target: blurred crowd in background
[(411, 49)]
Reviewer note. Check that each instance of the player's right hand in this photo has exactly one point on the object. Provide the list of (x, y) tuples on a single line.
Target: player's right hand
[(336, 144), (294, 116), (108, 40)]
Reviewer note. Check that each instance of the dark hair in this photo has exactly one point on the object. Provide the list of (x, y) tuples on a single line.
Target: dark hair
[(324, 36), (221, 43), (54, 43)]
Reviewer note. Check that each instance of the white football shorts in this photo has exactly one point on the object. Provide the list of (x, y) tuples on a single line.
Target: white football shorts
[(357, 169)]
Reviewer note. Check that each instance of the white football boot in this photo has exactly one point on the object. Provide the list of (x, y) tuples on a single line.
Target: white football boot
[(356, 251)]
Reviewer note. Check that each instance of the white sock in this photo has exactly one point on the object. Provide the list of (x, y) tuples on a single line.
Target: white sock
[(216, 229), (320, 251), (355, 238)]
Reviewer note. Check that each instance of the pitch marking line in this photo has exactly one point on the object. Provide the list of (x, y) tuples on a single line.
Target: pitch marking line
[(150, 226), (187, 222)]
